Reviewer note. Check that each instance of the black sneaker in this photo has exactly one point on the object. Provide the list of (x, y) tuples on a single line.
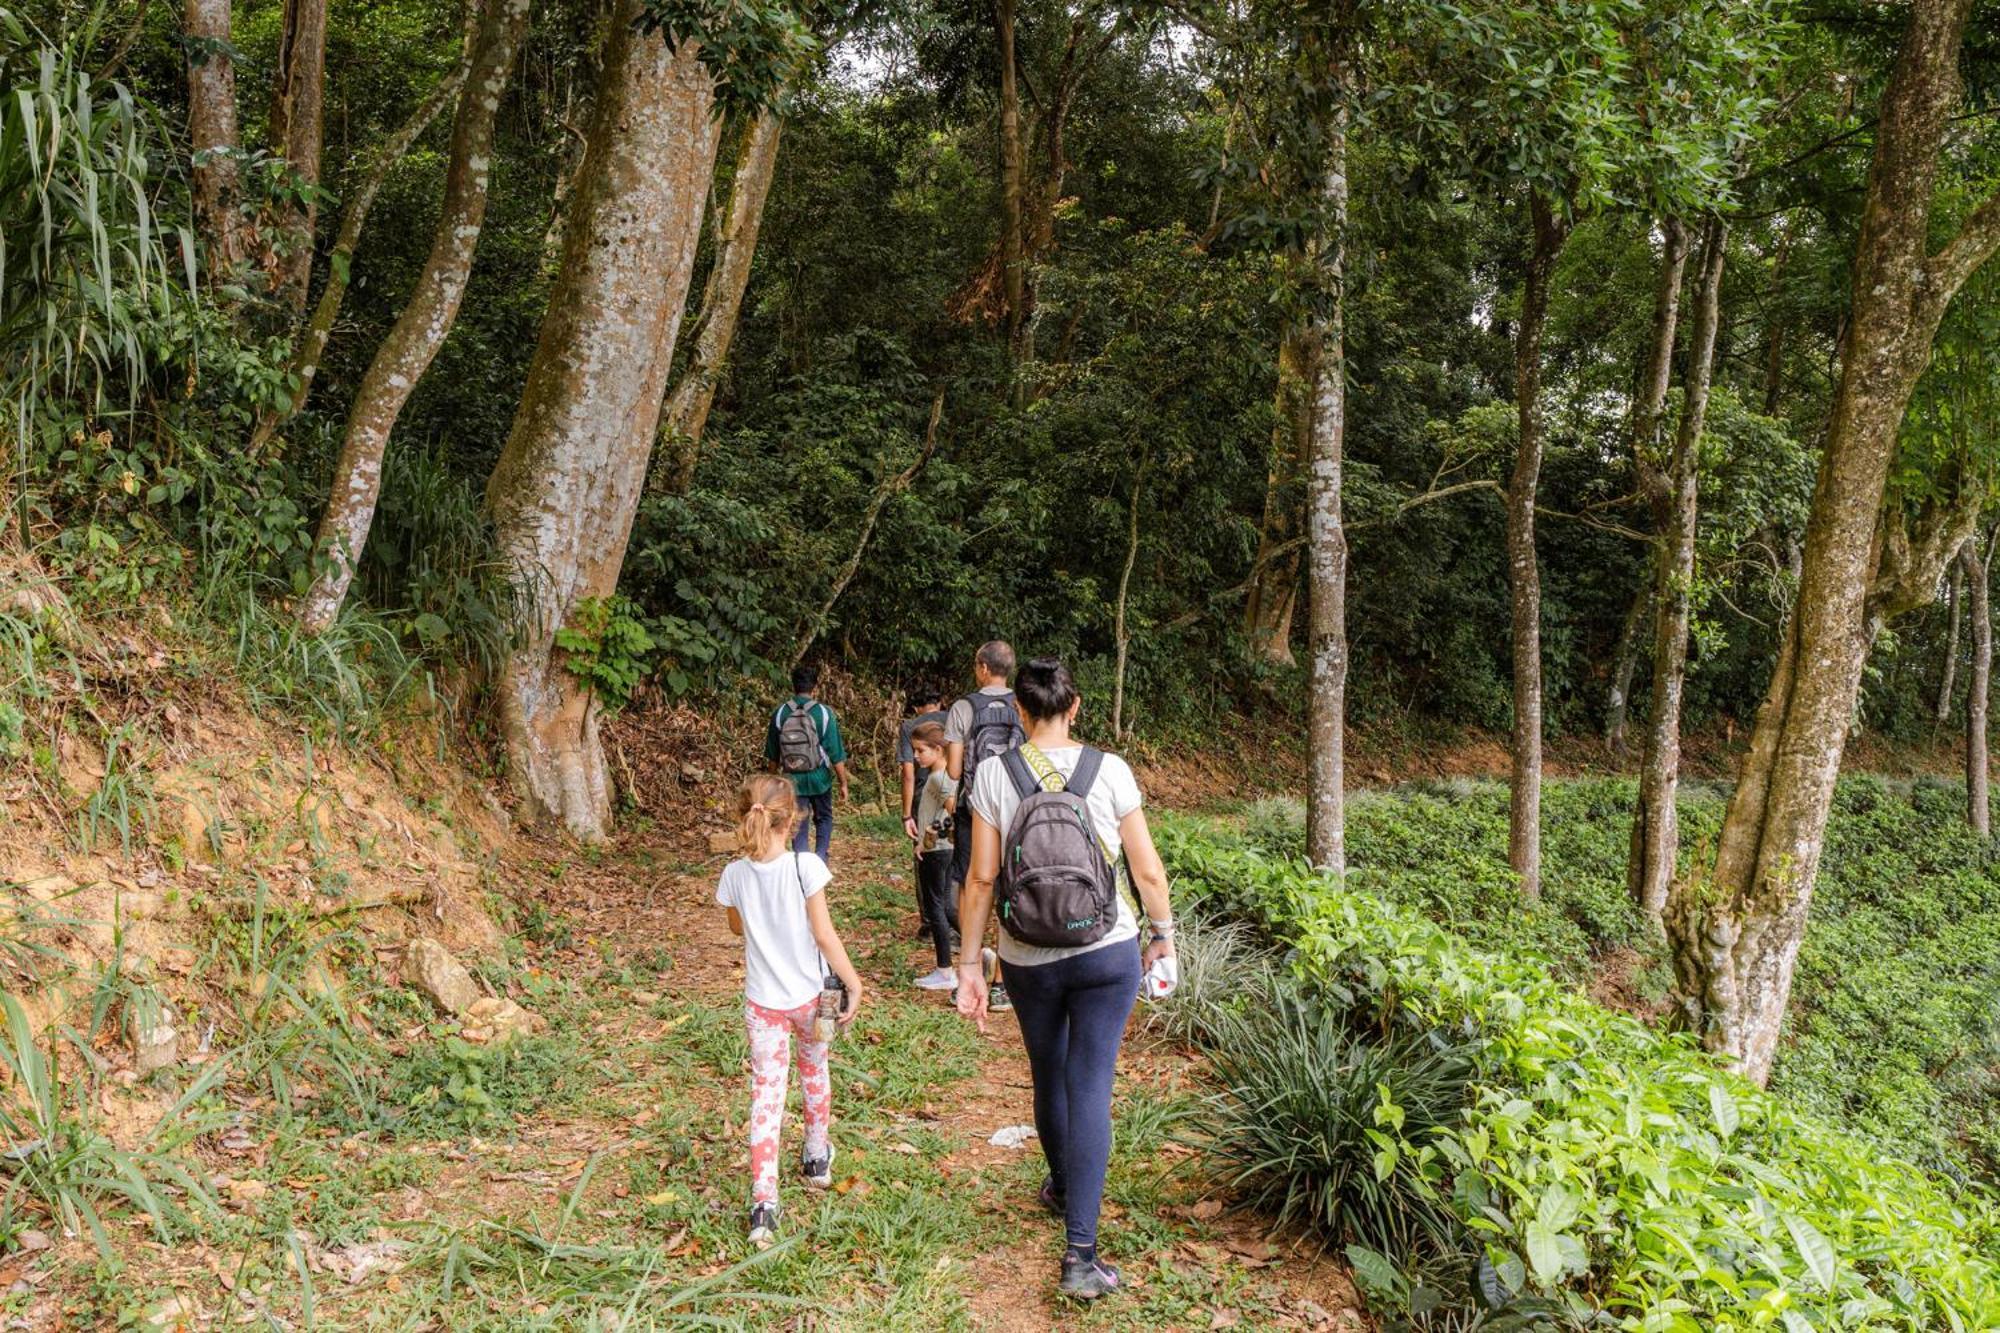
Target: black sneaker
[(996, 998), (818, 1171), (764, 1226), (1087, 1279), (1053, 1199)]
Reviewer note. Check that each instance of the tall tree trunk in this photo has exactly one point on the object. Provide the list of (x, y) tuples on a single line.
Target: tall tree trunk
[(567, 484), (1524, 579), (1013, 263), (1273, 595), (426, 319), (1735, 932), (298, 102), (1774, 329), (1655, 822), (1120, 635), (1978, 808), (686, 415), (213, 137), (1948, 677), (1625, 665), (319, 329), (1648, 406), (1326, 532)]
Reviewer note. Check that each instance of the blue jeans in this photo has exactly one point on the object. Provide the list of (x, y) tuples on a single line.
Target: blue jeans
[(1072, 1014), (820, 811)]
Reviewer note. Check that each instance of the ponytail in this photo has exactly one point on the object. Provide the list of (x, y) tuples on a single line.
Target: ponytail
[(764, 808)]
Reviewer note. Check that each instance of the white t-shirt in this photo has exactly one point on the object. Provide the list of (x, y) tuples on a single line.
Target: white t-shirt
[(781, 962), (1113, 796)]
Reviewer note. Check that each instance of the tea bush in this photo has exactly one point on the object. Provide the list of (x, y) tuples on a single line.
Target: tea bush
[(1612, 1173), (1895, 1022)]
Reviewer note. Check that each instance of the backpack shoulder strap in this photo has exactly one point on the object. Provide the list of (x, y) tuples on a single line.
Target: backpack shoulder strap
[(1023, 777), (1084, 774), (1046, 775)]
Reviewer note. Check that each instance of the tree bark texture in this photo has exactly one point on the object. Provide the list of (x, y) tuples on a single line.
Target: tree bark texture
[(1735, 932), (1655, 821), (1948, 676), (567, 484), (298, 106), (413, 341), (1273, 595), (1013, 263), (686, 415), (1978, 806), (326, 311), (1326, 539), (1524, 810), (215, 143), (1625, 665)]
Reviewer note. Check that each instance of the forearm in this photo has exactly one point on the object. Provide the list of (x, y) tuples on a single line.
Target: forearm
[(975, 904), (909, 790), (1154, 895)]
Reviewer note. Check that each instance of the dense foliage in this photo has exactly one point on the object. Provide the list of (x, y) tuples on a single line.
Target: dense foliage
[(1898, 985), (1604, 1174)]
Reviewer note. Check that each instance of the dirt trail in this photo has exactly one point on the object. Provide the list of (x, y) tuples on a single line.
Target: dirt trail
[(1259, 1279)]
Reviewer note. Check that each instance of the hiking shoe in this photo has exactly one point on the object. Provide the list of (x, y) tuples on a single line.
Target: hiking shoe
[(1053, 1199), (996, 998), (764, 1226), (1087, 1279), (818, 1171), (942, 979)]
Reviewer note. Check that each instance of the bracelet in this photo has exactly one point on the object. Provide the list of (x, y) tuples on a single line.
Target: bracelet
[(1162, 930)]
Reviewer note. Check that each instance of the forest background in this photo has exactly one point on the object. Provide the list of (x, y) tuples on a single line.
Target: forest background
[(1595, 372)]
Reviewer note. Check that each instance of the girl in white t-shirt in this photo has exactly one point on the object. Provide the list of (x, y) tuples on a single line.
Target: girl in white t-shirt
[(777, 903)]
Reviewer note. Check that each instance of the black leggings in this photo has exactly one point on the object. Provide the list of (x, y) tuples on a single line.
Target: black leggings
[(1072, 1014), (938, 897)]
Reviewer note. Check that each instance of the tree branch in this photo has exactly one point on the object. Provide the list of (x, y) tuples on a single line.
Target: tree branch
[(1961, 257)]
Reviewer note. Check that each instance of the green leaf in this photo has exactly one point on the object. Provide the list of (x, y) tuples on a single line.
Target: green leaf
[(1727, 1117), (1544, 1255), (1814, 1249), (1378, 1276)]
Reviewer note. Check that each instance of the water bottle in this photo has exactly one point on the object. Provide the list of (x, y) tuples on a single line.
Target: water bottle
[(826, 1019)]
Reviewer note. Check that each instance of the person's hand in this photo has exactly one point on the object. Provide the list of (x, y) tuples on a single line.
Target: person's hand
[(972, 991), (844, 793), (1156, 950), (853, 1005), (910, 827)]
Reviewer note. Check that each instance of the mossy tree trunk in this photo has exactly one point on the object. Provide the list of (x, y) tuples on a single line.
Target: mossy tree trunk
[(1326, 538), (1736, 928), (298, 113), (214, 141), (1979, 609), (686, 415), (1655, 821), (1524, 580), (413, 342), (568, 481)]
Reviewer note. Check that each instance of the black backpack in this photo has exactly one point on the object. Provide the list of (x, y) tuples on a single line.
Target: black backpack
[(995, 730), (1057, 887), (799, 746)]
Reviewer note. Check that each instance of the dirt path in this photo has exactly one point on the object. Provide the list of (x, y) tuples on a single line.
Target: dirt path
[(1162, 1225)]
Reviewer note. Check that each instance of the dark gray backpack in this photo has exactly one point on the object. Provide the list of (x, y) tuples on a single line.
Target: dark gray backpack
[(1057, 888), (799, 747)]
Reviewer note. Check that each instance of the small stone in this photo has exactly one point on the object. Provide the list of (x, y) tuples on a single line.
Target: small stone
[(720, 844), (429, 966), (156, 1042), (31, 1242), (499, 1020)]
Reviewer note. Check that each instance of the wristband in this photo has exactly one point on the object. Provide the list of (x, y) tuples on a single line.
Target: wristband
[(1162, 930)]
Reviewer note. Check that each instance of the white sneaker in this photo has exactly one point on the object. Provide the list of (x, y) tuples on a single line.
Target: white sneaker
[(942, 979)]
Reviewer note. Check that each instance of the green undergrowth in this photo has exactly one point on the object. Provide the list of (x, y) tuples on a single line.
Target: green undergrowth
[(1597, 1172), (1894, 1030)]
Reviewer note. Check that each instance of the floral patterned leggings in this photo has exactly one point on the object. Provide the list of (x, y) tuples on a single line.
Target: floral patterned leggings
[(771, 1033)]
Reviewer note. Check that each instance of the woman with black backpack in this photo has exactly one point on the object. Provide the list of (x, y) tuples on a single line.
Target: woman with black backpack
[(1052, 824)]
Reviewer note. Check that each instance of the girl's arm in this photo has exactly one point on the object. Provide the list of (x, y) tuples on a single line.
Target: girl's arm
[(835, 952), (735, 922), (1149, 877), (975, 901)]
